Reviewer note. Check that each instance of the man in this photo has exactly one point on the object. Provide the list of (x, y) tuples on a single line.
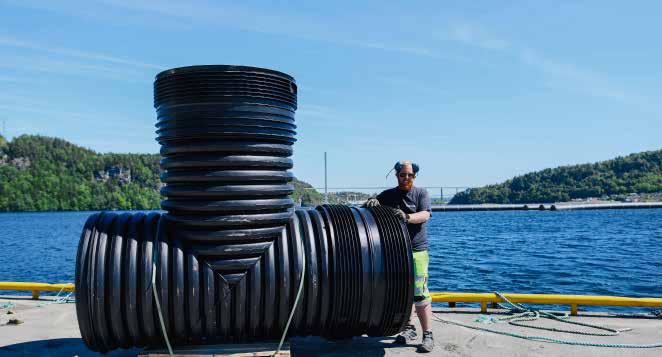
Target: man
[(412, 205)]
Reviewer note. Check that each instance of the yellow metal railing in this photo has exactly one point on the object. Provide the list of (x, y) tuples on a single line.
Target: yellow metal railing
[(544, 299), (574, 301), (36, 288)]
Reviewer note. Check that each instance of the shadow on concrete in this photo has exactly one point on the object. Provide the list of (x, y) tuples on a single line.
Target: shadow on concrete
[(356, 346), (58, 347), (299, 346)]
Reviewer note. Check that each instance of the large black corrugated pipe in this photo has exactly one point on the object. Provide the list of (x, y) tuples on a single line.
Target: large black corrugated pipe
[(358, 280), (226, 135), (230, 247), (114, 301)]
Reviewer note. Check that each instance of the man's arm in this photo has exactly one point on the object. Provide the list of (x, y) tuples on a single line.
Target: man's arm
[(424, 209), (419, 217)]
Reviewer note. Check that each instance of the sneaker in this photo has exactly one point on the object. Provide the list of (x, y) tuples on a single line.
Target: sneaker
[(408, 334), (428, 342)]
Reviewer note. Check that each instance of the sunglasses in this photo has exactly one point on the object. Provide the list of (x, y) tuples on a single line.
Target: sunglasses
[(403, 175)]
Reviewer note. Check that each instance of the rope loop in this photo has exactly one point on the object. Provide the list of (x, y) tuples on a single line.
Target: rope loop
[(522, 313)]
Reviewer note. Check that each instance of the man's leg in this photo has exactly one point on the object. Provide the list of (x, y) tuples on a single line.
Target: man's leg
[(412, 316), (422, 300), (408, 333), (425, 316)]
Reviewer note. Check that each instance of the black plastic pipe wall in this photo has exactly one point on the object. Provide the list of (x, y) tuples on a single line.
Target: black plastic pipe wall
[(228, 253)]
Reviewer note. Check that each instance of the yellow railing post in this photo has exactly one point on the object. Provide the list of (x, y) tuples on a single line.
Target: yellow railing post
[(573, 309), (35, 288)]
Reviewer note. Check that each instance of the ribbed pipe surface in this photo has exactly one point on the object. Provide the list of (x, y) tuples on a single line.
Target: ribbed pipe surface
[(358, 280), (229, 250)]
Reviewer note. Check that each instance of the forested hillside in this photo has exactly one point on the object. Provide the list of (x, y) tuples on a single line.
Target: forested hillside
[(48, 174), (635, 173), (40, 173)]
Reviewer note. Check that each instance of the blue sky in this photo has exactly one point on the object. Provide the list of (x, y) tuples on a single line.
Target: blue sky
[(475, 92)]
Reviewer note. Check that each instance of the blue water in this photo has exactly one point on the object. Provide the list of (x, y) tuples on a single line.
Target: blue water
[(610, 252)]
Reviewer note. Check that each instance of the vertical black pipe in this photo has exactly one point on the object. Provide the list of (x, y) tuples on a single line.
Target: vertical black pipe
[(226, 134)]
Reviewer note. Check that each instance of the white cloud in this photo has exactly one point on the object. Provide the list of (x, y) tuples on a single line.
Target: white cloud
[(237, 16), (414, 86), (10, 79), (28, 56), (92, 56), (68, 67), (572, 78), (556, 74), (243, 17), (420, 51), (475, 36), (322, 117), (315, 111), (270, 22)]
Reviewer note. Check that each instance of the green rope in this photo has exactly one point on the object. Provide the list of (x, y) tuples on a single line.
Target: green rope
[(57, 299), (7, 305), (155, 260), (296, 301), (653, 314), (547, 339), (522, 313), (529, 314), (67, 299)]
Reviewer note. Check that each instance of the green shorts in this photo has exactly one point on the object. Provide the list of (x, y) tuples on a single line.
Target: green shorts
[(421, 292)]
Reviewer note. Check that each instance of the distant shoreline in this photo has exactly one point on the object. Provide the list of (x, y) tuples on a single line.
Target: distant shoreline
[(562, 206), (90, 211)]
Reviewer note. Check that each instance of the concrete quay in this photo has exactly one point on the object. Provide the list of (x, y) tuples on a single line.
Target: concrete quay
[(50, 329)]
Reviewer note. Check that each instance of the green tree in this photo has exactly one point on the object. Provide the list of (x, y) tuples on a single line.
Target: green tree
[(635, 173), (39, 173)]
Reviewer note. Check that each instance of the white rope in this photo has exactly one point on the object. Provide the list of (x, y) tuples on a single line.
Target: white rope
[(158, 308), (155, 257), (296, 302)]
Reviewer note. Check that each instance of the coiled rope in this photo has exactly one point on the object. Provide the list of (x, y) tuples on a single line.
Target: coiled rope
[(527, 314), (523, 313), (57, 299)]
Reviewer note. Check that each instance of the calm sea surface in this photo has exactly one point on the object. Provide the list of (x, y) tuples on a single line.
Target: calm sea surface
[(610, 252)]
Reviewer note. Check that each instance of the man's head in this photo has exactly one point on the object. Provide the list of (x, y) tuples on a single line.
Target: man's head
[(406, 172)]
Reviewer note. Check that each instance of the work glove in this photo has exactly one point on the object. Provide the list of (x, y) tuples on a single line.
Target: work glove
[(371, 202), (401, 215)]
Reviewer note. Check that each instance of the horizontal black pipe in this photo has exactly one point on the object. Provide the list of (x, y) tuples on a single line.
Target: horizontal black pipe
[(358, 279)]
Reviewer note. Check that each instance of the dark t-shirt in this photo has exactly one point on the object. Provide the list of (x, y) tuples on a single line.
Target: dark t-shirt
[(416, 200)]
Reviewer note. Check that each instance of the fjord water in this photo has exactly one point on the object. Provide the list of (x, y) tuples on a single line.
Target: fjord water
[(609, 252)]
